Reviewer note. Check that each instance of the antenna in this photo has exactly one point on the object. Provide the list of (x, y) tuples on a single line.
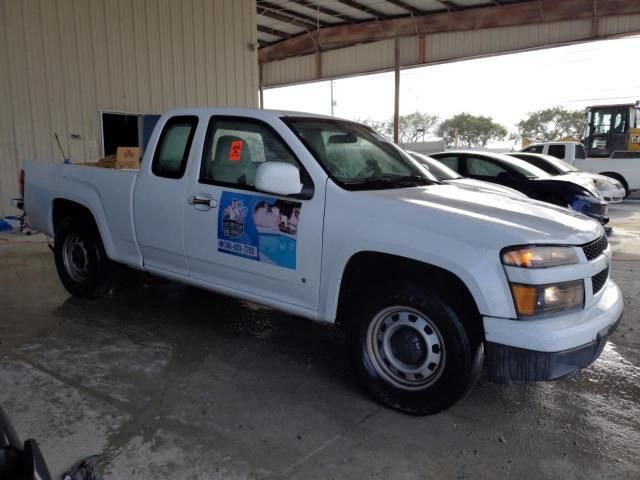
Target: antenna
[(64, 157)]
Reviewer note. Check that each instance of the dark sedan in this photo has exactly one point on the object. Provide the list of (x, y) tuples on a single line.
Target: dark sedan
[(532, 181)]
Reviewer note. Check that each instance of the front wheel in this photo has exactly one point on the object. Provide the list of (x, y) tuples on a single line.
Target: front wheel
[(412, 351), (81, 261)]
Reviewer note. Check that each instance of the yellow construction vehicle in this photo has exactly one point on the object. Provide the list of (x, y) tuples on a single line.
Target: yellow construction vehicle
[(613, 131)]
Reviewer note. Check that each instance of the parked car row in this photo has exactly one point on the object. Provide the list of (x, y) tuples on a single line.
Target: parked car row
[(536, 176)]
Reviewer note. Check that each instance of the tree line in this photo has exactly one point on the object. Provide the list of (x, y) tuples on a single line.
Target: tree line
[(466, 130)]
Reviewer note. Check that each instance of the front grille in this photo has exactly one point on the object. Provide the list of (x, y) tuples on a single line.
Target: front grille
[(594, 249), (598, 281)]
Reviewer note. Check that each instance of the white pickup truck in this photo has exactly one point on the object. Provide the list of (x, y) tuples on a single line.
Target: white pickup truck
[(619, 166), (327, 219)]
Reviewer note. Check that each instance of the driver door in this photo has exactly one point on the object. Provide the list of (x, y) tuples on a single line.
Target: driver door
[(241, 241)]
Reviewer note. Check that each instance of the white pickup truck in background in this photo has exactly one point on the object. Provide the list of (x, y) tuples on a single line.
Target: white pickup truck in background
[(327, 219), (625, 170)]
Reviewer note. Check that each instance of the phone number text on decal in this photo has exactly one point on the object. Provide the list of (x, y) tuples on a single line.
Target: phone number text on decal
[(241, 248)]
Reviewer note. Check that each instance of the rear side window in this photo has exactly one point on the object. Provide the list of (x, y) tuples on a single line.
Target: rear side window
[(580, 152), (452, 162), (172, 151), (557, 151), (484, 168), (533, 149)]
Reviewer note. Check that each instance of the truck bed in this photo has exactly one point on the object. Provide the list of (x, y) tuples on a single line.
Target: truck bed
[(107, 193), (629, 168)]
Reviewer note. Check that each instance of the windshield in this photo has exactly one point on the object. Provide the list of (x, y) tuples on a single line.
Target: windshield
[(522, 167), (560, 164), (356, 156), (437, 169), (548, 163)]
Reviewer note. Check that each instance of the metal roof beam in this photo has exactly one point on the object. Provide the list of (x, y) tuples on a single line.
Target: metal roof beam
[(274, 32), (325, 10), (513, 14), (449, 4), (405, 6), (290, 13), (283, 18), (364, 8)]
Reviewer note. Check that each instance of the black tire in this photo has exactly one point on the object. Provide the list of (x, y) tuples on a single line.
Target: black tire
[(84, 269), (461, 349)]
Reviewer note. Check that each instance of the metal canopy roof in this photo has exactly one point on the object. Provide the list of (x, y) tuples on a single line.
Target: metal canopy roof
[(279, 20), (289, 28)]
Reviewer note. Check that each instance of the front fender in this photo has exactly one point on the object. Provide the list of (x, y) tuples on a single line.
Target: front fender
[(476, 264)]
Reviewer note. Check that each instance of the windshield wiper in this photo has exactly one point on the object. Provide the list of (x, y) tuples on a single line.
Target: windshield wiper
[(390, 180)]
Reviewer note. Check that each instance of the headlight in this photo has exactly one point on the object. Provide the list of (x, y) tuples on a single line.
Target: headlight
[(600, 184), (543, 300), (534, 256), (607, 184)]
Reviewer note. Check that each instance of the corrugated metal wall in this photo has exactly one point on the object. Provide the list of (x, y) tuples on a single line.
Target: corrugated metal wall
[(441, 47), (62, 61)]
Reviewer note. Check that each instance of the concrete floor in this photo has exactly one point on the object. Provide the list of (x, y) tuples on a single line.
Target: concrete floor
[(170, 382)]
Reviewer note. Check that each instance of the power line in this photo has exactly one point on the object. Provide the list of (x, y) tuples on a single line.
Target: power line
[(597, 99)]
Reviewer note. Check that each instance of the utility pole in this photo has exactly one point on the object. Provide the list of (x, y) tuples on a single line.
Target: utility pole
[(333, 102)]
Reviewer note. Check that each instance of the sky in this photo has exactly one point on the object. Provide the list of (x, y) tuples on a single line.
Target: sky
[(504, 87)]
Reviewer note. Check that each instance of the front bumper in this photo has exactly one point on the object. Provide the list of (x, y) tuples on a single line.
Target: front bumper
[(520, 351), (592, 208), (614, 196)]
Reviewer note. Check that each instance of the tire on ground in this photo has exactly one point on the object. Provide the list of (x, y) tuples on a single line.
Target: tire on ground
[(459, 364), (81, 261)]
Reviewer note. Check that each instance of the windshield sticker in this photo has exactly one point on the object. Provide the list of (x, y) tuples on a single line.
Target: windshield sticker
[(235, 152), (259, 228)]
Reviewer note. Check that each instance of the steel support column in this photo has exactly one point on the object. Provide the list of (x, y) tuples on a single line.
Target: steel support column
[(396, 100), (260, 86)]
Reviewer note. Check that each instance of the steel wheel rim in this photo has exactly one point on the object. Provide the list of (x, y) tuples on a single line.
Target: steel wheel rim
[(75, 258), (406, 348)]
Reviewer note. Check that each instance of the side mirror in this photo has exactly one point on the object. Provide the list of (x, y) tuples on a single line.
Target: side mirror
[(279, 178)]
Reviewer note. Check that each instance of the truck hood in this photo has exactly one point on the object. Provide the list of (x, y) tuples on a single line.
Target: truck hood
[(497, 220)]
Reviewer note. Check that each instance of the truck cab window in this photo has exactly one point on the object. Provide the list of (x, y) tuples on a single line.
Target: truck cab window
[(534, 149), (234, 149), (172, 153), (557, 151)]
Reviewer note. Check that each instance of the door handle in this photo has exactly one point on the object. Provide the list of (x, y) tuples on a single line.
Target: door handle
[(203, 201)]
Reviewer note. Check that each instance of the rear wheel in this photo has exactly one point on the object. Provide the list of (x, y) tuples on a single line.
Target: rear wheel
[(81, 261), (412, 351)]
